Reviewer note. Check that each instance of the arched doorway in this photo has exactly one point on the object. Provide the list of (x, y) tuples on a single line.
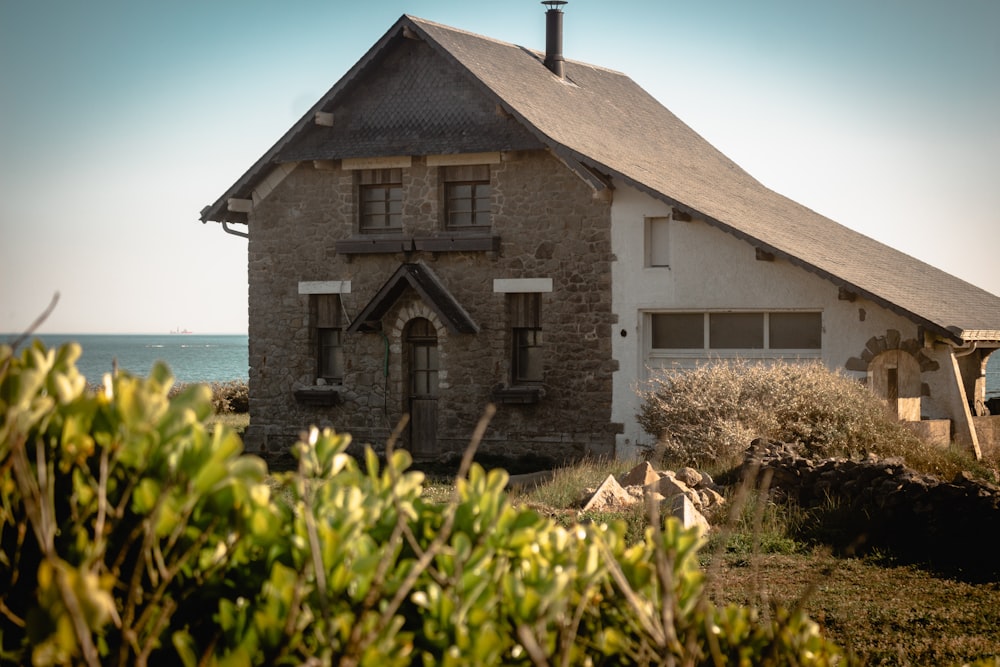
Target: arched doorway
[(422, 365)]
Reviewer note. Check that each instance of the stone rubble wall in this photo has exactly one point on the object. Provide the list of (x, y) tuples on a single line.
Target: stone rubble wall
[(951, 524)]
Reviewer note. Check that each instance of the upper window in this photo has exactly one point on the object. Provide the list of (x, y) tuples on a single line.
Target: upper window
[(657, 241), (467, 196), (329, 337), (736, 331), (381, 200)]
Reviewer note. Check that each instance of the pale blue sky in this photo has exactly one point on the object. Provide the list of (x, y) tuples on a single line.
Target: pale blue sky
[(119, 121)]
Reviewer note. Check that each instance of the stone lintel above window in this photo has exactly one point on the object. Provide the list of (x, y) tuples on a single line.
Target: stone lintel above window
[(359, 163), (324, 287), (463, 159), (521, 285)]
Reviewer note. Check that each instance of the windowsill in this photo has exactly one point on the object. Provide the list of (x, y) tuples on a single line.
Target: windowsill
[(374, 243), (455, 241), (319, 395), (458, 241), (519, 394)]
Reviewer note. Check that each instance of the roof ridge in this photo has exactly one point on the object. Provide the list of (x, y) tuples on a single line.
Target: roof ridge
[(486, 38)]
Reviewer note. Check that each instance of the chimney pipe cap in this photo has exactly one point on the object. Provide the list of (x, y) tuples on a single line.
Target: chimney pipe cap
[(554, 4)]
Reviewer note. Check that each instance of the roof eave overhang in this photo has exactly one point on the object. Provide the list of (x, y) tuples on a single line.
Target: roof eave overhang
[(837, 281), (985, 337), (243, 187)]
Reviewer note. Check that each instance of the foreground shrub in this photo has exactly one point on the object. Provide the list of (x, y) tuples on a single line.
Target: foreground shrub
[(133, 536), (709, 415)]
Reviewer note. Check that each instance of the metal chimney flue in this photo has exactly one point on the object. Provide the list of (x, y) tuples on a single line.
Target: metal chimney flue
[(554, 36)]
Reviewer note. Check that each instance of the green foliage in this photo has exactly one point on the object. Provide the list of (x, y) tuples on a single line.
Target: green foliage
[(122, 518), (133, 535), (708, 416)]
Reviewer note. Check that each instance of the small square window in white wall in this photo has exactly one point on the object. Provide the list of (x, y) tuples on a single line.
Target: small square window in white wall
[(657, 242)]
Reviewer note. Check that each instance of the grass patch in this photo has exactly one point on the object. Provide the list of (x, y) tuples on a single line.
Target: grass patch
[(566, 488), (884, 614), (236, 421), (880, 611)]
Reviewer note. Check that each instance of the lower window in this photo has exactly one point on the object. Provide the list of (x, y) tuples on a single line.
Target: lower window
[(329, 337), (779, 331), (527, 357)]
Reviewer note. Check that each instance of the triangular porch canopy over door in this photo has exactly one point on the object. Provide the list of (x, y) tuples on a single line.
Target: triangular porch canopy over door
[(430, 289)]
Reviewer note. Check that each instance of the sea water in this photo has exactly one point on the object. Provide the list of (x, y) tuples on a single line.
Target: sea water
[(191, 357), (993, 376), (198, 358)]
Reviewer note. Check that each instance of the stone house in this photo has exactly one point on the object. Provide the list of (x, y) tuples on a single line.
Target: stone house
[(461, 221)]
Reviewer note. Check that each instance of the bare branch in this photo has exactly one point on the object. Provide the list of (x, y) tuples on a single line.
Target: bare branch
[(37, 323)]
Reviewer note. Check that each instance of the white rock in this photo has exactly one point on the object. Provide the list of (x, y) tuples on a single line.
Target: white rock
[(609, 495)]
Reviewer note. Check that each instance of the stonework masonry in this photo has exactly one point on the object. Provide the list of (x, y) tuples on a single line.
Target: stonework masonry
[(880, 503), (549, 226)]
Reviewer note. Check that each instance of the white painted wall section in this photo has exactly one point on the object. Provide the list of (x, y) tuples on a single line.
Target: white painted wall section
[(710, 270)]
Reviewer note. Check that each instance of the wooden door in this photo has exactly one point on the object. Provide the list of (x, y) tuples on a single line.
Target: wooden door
[(422, 362)]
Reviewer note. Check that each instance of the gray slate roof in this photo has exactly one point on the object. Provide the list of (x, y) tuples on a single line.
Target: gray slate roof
[(604, 120)]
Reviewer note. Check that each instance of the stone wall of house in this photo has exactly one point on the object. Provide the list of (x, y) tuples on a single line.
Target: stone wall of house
[(550, 226), (880, 503)]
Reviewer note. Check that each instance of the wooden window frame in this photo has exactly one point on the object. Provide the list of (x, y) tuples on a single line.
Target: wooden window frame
[(475, 177), (329, 338), (388, 185), (527, 349)]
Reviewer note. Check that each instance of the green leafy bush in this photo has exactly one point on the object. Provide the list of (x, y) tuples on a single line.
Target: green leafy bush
[(132, 535), (708, 416)]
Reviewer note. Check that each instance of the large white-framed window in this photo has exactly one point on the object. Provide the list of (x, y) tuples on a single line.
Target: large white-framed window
[(751, 334)]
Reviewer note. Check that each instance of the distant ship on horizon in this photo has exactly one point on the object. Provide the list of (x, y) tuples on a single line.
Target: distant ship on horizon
[(181, 331)]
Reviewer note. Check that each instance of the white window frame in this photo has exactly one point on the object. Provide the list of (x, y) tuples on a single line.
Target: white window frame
[(687, 357), (657, 244)]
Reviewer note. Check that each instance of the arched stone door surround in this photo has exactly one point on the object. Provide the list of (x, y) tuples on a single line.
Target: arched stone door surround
[(893, 370)]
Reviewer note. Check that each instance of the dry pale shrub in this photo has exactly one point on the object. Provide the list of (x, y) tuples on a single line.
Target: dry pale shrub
[(707, 416)]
